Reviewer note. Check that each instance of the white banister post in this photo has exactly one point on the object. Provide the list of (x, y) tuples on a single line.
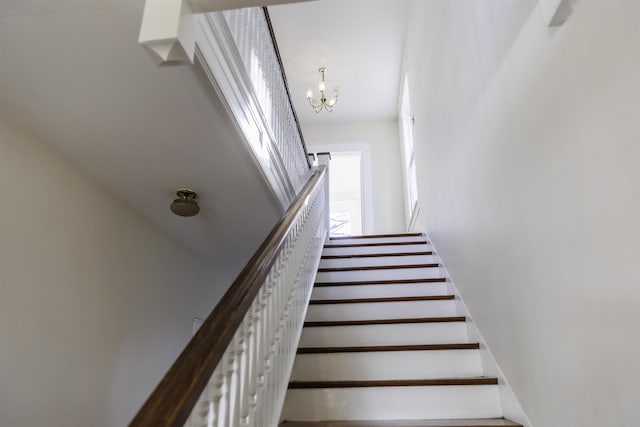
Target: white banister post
[(324, 160)]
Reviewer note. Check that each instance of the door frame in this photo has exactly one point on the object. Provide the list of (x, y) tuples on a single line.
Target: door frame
[(366, 178)]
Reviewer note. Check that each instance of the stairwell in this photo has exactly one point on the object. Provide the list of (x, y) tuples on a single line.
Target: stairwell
[(383, 344)]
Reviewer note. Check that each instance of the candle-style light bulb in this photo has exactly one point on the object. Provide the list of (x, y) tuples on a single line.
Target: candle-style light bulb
[(322, 103)]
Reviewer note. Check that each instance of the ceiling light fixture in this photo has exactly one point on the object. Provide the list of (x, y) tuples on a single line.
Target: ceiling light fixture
[(325, 103), (186, 204)]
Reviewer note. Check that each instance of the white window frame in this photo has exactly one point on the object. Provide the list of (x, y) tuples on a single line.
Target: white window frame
[(406, 120)]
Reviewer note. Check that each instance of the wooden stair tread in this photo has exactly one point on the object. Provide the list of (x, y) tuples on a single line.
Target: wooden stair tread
[(385, 321), (476, 422), (414, 347), (389, 254), (382, 299), (358, 245), (376, 236), (378, 267), (383, 282), (435, 382), (384, 386)]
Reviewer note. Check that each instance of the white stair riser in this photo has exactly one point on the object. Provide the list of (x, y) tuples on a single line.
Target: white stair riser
[(381, 310), (359, 240), (387, 365), (392, 403), (378, 291), (377, 249), (396, 334), (356, 240), (378, 261), (362, 275)]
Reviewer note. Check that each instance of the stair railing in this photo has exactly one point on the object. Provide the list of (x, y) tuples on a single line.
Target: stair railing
[(235, 370), (237, 52)]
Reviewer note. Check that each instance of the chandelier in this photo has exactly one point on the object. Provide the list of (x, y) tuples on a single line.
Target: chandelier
[(325, 103)]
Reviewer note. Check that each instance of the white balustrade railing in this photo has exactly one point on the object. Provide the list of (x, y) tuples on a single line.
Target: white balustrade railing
[(237, 52), (253, 36), (235, 371)]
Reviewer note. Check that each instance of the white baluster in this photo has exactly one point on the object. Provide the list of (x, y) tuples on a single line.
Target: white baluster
[(250, 33), (247, 388), (259, 359), (243, 411), (232, 383), (242, 370), (216, 391), (223, 390)]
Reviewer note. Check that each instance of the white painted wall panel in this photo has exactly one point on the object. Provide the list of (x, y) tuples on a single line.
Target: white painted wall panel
[(527, 149), (95, 302), (385, 157)]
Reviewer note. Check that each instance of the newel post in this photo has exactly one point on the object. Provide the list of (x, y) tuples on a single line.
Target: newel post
[(323, 160)]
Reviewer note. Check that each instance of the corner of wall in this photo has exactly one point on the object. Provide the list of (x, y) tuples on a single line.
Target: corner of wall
[(511, 407)]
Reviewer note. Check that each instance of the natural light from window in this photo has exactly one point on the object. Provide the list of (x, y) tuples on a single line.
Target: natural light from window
[(345, 193)]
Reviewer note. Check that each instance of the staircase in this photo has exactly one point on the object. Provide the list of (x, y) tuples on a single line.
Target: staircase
[(384, 345)]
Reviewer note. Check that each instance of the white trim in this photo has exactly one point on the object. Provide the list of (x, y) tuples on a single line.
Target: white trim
[(167, 31), (409, 174), (168, 28), (363, 147), (206, 6)]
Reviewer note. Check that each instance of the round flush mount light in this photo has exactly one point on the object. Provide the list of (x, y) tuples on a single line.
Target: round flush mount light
[(186, 204)]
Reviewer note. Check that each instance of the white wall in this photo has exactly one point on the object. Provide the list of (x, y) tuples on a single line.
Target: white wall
[(528, 146), (383, 137), (95, 302)]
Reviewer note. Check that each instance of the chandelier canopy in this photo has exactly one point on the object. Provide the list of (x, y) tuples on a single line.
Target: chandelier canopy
[(325, 103)]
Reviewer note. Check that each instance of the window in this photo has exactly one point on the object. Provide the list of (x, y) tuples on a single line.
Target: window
[(408, 154)]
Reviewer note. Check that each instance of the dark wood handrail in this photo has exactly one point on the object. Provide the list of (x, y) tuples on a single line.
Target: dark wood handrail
[(286, 83), (173, 399)]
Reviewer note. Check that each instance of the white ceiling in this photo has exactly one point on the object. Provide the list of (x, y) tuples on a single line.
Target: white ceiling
[(361, 44), (73, 74)]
